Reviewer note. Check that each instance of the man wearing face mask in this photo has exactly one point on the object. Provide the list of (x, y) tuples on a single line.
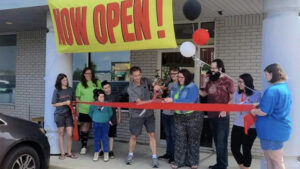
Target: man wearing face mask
[(220, 90)]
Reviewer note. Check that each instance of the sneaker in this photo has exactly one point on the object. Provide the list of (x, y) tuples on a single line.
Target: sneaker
[(128, 160), (212, 166), (171, 160), (155, 163), (111, 154), (96, 156), (83, 151), (106, 157), (165, 156), (101, 153)]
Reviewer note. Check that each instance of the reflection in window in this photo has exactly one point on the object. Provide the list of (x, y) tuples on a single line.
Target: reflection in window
[(111, 66), (184, 32), (210, 27), (8, 53), (175, 59), (79, 63)]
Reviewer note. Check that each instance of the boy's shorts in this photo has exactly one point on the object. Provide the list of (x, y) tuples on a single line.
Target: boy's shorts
[(112, 131), (136, 124)]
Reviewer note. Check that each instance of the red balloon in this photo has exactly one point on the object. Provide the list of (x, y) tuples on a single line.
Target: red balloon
[(201, 36)]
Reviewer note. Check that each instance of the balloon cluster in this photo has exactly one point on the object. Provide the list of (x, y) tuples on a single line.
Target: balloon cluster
[(191, 11)]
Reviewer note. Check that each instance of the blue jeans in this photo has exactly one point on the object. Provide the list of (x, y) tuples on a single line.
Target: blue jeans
[(220, 130), (101, 134), (169, 126)]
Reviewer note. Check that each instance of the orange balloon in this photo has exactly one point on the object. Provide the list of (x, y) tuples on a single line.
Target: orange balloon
[(201, 36)]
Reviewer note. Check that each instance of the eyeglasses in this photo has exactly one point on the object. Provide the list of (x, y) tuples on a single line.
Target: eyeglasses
[(174, 73)]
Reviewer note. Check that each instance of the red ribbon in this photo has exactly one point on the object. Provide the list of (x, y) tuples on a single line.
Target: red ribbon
[(75, 135), (176, 106), (154, 104), (249, 120)]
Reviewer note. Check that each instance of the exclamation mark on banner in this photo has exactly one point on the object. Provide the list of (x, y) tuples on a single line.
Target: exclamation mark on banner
[(159, 12)]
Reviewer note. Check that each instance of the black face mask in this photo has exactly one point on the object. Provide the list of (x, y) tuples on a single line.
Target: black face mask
[(215, 77)]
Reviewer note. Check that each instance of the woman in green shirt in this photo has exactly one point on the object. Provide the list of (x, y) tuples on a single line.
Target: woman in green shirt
[(84, 92)]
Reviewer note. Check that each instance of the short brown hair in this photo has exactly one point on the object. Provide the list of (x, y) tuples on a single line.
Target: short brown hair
[(134, 69), (277, 73), (174, 69)]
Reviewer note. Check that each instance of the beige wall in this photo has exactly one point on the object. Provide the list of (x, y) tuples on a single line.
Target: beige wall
[(30, 68), (238, 44)]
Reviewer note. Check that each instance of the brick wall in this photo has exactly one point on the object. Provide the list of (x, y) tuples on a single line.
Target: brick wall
[(238, 44), (30, 70), (147, 61)]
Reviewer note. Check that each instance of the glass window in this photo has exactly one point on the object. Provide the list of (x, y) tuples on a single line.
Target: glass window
[(210, 26), (80, 61), (184, 32), (8, 54), (111, 66)]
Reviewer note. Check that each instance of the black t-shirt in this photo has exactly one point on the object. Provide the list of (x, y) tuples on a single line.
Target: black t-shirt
[(112, 98), (62, 96)]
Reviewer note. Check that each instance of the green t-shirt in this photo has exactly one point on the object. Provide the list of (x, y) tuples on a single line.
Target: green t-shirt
[(86, 95)]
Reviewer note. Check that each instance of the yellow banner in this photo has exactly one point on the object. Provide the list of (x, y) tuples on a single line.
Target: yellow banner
[(112, 25)]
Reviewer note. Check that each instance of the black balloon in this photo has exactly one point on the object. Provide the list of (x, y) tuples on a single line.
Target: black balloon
[(192, 9)]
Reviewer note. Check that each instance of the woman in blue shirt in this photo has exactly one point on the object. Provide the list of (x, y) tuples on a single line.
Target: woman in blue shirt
[(188, 124), (245, 95), (273, 123)]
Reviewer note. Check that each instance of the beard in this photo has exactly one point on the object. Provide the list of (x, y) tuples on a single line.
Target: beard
[(215, 77)]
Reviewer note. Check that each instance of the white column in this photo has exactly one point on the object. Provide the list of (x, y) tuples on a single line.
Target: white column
[(281, 44), (55, 63)]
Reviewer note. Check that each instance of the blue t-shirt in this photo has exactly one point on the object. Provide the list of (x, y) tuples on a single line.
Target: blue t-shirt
[(276, 125)]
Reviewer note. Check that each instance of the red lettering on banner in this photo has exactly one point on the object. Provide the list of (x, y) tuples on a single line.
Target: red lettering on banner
[(60, 34), (79, 25), (113, 18), (66, 25), (141, 19), (100, 10), (159, 11), (126, 20)]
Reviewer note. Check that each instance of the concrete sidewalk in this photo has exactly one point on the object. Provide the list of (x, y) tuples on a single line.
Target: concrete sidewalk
[(142, 159)]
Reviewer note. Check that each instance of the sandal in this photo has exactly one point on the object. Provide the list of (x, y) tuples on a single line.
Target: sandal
[(173, 166), (72, 156), (62, 157), (194, 167)]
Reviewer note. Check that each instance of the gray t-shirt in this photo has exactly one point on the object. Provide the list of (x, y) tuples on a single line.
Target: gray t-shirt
[(62, 96), (141, 92), (170, 86)]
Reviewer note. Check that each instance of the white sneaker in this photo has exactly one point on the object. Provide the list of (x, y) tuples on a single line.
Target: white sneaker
[(83, 151), (96, 156), (106, 157)]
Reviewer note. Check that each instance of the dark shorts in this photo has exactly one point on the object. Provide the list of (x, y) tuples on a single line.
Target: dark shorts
[(84, 118), (112, 131), (136, 124), (63, 120)]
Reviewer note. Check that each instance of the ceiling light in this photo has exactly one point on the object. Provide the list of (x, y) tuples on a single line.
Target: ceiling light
[(8, 23)]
